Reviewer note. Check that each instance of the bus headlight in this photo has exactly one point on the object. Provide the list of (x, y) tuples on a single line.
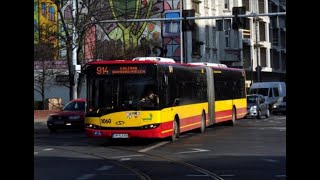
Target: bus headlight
[(92, 126), (150, 126)]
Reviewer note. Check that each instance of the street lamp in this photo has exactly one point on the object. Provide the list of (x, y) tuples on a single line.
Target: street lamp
[(75, 67), (257, 50)]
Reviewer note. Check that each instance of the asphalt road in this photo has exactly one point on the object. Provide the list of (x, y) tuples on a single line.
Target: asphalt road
[(253, 149)]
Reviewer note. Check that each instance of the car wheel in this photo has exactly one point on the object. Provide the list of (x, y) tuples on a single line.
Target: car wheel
[(259, 114), (52, 129), (268, 113)]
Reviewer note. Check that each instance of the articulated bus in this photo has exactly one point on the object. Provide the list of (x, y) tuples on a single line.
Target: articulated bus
[(189, 96)]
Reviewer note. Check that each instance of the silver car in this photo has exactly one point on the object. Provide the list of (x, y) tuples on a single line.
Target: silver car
[(257, 106)]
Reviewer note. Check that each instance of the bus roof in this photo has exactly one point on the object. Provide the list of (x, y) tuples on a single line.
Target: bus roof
[(159, 59), (209, 64)]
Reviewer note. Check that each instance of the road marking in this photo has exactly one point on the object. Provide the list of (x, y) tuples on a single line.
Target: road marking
[(154, 146), (35, 153), (196, 175), (85, 176), (195, 151), (281, 175), (270, 160), (125, 159), (48, 149), (226, 175), (103, 168), (127, 156)]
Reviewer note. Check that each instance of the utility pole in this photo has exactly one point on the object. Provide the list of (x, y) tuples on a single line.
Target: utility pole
[(74, 52), (181, 33), (257, 49)]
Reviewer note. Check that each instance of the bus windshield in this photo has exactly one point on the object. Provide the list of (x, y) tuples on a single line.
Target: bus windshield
[(119, 93)]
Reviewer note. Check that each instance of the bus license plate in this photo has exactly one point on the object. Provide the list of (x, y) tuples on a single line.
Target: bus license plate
[(120, 136)]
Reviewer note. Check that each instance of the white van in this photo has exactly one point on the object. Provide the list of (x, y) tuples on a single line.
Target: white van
[(272, 91)]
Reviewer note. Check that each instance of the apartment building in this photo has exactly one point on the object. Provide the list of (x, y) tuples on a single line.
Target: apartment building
[(262, 43)]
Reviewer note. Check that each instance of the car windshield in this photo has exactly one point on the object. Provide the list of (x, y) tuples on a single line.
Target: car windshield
[(74, 106), (252, 99), (262, 91)]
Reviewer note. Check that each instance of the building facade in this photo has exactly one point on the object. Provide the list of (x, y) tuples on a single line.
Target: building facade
[(262, 43)]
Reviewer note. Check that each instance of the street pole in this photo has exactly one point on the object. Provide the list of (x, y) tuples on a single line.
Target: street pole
[(181, 33), (257, 51), (74, 52)]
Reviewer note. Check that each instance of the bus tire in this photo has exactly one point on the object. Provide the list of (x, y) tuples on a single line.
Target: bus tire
[(234, 117), (203, 123), (176, 132)]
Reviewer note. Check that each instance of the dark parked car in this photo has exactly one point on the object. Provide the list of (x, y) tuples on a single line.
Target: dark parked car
[(70, 117), (280, 106), (257, 106)]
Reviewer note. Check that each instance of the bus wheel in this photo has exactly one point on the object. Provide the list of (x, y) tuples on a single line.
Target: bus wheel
[(233, 120), (203, 123), (175, 134)]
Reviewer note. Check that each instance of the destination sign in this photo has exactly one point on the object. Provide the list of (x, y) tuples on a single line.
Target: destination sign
[(105, 70)]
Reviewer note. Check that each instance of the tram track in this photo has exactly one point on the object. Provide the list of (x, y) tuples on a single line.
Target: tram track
[(131, 165)]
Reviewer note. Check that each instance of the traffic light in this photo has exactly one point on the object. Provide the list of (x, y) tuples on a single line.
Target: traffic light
[(188, 25), (238, 22)]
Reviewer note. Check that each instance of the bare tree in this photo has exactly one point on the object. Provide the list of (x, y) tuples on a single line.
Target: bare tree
[(44, 73), (88, 14)]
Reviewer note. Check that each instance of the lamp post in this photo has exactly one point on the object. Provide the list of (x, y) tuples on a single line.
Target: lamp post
[(74, 52), (257, 51), (181, 33)]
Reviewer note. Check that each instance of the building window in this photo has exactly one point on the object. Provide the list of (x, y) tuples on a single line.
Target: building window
[(195, 5), (226, 4), (44, 9), (207, 37), (261, 6), (172, 28), (227, 28), (67, 13), (51, 13), (214, 37), (263, 57), (196, 44), (206, 4)]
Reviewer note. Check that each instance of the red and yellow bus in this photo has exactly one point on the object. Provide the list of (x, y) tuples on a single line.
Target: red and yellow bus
[(189, 97)]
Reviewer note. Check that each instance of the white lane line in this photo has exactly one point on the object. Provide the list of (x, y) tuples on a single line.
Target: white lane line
[(35, 153), (196, 175), (270, 160), (282, 118), (226, 175), (195, 151), (154, 146), (281, 175), (48, 149), (125, 159), (103, 168), (126, 156), (85, 176)]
